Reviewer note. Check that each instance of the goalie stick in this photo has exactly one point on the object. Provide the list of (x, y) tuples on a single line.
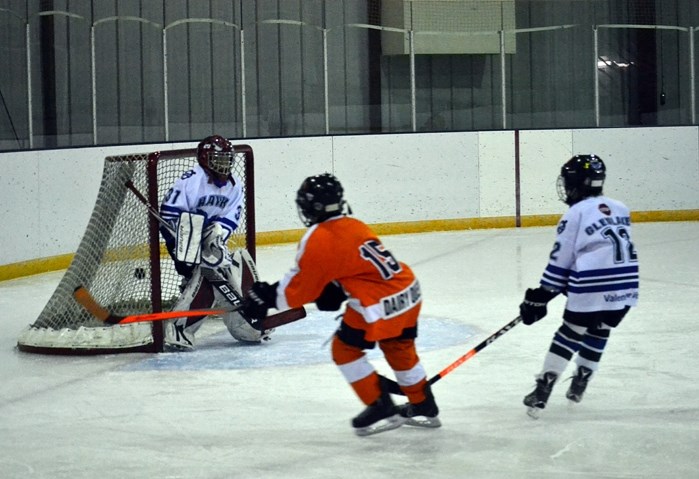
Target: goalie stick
[(394, 388), (85, 298)]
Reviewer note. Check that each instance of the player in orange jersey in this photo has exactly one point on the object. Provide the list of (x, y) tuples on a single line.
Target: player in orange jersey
[(340, 258)]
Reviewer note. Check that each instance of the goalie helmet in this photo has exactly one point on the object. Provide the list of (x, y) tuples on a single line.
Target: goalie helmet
[(581, 177), (319, 198), (215, 155)]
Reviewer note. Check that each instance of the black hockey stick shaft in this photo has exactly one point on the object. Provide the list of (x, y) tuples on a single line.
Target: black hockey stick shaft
[(394, 388)]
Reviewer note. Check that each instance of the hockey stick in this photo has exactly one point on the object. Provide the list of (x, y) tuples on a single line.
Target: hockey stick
[(84, 298), (394, 388)]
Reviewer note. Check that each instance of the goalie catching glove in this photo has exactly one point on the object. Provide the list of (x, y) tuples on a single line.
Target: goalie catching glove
[(258, 300), (533, 308)]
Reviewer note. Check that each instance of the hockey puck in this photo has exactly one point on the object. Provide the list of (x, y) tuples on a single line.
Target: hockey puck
[(139, 273)]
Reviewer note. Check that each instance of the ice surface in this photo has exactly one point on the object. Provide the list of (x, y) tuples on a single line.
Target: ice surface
[(282, 410)]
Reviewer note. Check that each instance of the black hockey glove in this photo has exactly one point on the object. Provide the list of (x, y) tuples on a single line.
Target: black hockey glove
[(259, 299), (533, 308), (331, 298)]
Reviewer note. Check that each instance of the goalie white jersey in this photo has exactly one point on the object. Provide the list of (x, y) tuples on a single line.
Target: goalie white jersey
[(194, 192), (593, 259)]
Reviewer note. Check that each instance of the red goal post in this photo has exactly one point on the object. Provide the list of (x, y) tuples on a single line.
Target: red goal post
[(122, 259)]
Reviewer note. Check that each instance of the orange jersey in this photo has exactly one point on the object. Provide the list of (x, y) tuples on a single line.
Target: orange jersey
[(383, 292)]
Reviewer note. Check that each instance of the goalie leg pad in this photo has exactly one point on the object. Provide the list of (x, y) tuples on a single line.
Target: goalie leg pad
[(248, 269), (237, 271), (230, 280), (197, 294), (241, 330), (228, 276)]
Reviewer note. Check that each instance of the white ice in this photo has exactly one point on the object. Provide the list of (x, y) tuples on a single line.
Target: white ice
[(282, 410)]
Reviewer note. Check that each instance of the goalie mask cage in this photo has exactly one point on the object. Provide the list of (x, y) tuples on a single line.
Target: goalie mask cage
[(122, 259)]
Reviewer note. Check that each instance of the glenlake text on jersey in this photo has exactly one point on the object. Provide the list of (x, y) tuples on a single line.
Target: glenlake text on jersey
[(602, 222)]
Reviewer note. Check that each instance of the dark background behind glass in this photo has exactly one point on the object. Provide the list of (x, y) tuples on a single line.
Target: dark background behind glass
[(645, 80)]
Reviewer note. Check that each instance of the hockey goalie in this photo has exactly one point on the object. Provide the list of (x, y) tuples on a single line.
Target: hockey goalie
[(199, 213)]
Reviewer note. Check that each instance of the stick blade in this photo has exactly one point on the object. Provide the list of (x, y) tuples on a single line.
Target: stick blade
[(87, 301), (285, 317)]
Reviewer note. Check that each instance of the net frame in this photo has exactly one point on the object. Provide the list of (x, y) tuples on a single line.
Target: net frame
[(122, 259)]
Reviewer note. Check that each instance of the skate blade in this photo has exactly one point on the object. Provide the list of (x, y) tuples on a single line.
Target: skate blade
[(423, 421), (393, 422), (534, 412)]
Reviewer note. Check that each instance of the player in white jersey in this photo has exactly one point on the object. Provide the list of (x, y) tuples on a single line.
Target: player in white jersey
[(594, 263), (203, 208)]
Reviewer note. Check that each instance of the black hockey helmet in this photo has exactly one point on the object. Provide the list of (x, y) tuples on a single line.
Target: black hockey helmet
[(581, 176), (319, 198), (215, 155)]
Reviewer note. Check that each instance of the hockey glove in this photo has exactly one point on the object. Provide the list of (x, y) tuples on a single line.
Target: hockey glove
[(259, 299), (331, 298), (533, 308)]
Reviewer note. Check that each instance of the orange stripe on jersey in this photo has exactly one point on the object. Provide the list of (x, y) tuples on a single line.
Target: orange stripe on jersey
[(344, 249)]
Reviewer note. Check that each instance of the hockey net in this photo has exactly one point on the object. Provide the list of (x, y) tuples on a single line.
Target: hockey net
[(122, 259)]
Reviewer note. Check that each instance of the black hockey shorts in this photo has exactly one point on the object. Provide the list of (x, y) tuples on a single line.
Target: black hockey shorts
[(355, 337), (595, 319)]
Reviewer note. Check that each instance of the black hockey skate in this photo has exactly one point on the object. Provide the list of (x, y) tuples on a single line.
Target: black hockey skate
[(536, 400), (423, 414), (381, 415), (577, 386)]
